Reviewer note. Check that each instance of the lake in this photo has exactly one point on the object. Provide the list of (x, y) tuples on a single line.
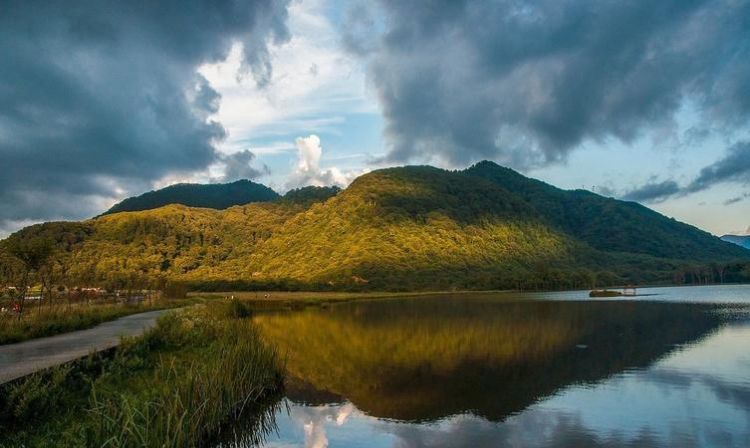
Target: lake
[(671, 368)]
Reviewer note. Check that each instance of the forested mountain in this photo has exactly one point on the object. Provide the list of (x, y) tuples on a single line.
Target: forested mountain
[(740, 240), (606, 223), (414, 227), (218, 196)]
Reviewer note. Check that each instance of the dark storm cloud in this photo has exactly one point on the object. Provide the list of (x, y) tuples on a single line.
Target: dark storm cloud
[(526, 82), (737, 199), (733, 167), (653, 192), (240, 166), (98, 98)]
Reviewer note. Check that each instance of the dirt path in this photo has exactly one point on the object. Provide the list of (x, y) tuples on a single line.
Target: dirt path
[(24, 358)]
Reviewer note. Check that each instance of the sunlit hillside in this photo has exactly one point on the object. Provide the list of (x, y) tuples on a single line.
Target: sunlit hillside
[(486, 227)]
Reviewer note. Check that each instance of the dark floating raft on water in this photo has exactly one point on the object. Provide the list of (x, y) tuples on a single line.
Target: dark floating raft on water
[(605, 293), (629, 291)]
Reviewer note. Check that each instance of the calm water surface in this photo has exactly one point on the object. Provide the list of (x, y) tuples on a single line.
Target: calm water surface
[(548, 370)]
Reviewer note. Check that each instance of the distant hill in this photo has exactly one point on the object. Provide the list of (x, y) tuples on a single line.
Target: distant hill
[(217, 196), (310, 194), (740, 240), (416, 227)]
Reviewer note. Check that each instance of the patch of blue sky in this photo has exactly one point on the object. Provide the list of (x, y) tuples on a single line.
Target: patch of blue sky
[(349, 142)]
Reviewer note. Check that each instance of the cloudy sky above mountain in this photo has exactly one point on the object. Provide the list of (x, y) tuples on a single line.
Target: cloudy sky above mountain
[(647, 101)]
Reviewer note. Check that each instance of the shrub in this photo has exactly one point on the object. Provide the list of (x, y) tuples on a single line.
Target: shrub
[(238, 309)]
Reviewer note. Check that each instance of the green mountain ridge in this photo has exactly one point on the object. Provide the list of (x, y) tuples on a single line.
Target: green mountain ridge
[(407, 228), (740, 240), (217, 196)]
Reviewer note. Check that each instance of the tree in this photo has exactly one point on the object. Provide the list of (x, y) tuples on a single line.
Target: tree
[(746, 272), (720, 269), (9, 273), (32, 255), (48, 274)]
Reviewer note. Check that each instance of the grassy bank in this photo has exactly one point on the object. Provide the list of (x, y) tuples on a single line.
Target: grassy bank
[(48, 321), (177, 385), (261, 300), (41, 321)]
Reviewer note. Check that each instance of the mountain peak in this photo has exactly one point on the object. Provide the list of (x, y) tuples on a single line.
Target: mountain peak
[(217, 196), (486, 164)]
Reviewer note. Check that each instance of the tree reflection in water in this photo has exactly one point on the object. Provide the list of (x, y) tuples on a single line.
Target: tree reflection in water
[(425, 359)]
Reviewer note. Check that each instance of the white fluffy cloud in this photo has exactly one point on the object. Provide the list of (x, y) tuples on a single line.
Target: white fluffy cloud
[(315, 84), (309, 154), (315, 419), (308, 170)]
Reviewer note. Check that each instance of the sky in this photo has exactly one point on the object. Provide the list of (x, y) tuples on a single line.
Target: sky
[(641, 100)]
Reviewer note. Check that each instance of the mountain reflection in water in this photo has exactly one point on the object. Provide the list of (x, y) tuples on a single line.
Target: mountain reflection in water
[(483, 371)]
